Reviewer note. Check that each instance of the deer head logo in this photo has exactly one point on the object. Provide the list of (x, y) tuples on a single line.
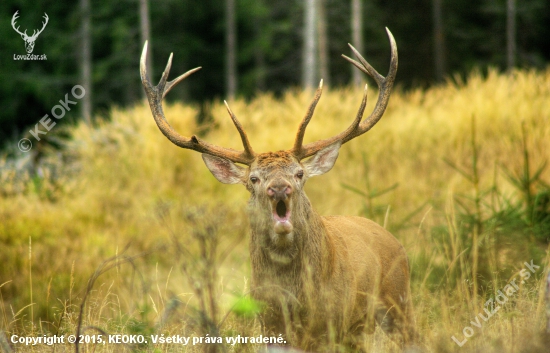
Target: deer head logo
[(29, 41)]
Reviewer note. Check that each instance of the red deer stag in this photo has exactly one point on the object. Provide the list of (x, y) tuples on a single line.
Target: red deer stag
[(324, 279)]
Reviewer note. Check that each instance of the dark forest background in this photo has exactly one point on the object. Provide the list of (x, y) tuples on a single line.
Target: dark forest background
[(250, 46)]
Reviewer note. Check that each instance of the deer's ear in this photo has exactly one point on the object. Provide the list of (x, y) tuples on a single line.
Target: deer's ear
[(224, 170), (324, 160)]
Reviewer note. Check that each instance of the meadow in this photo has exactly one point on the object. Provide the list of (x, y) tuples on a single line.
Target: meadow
[(121, 232)]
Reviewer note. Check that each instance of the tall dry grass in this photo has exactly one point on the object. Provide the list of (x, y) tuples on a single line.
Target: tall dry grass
[(121, 187)]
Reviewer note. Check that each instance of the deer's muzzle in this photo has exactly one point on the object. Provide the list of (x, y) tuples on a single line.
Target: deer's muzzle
[(279, 193)]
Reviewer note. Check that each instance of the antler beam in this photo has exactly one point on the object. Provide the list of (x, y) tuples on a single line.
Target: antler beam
[(358, 127), (34, 33), (13, 23), (46, 19), (155, 94)]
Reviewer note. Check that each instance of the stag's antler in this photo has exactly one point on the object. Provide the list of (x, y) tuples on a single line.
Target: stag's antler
[(13, 19), (358, 127), (24, 34), (155, 94), (46, 18)]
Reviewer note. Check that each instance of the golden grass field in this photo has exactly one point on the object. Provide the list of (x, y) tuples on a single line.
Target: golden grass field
[(121, 188)]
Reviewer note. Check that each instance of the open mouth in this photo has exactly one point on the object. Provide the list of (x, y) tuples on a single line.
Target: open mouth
[(281, 211), (281, 217)]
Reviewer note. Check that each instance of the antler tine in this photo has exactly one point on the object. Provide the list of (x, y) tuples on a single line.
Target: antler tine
[(385, 86), (246, 144), (36, 32), (359, 127), (46, 19), (13, 23), (363, 65), (155, 94), (303, 125), (312, 148)]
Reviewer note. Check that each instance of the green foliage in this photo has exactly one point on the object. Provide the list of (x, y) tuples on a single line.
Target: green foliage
[(488, 221), (535, 194), (488, 231), (269, 48), (370, 209), (378, 212), (112, 182), (247, 307)]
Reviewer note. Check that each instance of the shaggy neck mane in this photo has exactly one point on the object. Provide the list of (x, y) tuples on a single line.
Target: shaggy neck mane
[(307, 251)]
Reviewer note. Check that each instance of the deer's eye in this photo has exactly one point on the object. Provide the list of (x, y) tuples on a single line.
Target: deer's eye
[(300, 174), (254, 179)]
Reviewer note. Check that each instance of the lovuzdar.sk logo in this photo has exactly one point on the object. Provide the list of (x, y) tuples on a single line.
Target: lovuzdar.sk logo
[(29, 40)]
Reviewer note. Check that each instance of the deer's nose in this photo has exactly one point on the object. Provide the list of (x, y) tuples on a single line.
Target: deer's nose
[(279, 190)]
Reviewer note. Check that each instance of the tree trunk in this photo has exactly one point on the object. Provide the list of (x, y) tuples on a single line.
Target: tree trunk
[(309, 64), (323, 42), (259, 56), (86, 60), (439, 40), (231, 49), (145, 32), (357, 36), (510, 34)]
